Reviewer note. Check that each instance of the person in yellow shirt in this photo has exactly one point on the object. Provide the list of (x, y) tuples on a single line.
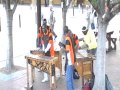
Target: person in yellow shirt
[(89, 40)]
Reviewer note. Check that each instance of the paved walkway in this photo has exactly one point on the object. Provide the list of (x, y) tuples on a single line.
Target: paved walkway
[(113, 67)]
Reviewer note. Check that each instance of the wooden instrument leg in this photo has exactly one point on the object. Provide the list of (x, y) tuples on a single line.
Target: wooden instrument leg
[(82, 82), (50, 77), (54, 76), (54, 82), (27, 75), (28, 87), (32, 73), (60, 64)]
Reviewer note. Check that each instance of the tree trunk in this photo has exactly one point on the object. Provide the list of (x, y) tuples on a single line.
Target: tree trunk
[(101, 56), (64, 17), (9, 61), (64, 12), (0, 24)]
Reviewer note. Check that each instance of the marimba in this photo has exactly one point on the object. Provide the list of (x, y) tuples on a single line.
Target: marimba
[(57, 54), (84, 66), (44, 63)]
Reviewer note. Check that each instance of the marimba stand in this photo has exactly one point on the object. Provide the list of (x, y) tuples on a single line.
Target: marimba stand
[(84, 66), (49, 64)]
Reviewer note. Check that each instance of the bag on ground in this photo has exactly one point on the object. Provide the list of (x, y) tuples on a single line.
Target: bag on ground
[(91, 82), (92, 26), (86, 86), (108, 85), (75, 74)]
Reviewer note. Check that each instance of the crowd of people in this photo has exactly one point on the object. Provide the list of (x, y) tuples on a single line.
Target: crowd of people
[(71, 46)]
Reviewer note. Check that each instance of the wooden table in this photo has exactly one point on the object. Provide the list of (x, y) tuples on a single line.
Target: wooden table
[(84, 66), (44, 63), (110, 40)]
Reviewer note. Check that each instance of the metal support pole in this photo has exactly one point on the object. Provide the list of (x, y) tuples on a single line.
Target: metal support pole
[(38, 14), (28, 85), (38, 19), (73, 10), (19, 21), (0, 24)]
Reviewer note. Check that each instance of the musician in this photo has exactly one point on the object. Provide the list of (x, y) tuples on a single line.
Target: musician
[(75, 40), (47, 43), (89, 40), (69, 59), (75, 43), (52, 21), (40, 31)]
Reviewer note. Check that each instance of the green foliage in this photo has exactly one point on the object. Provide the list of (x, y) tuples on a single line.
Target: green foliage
[(98, 5), (94, 3)]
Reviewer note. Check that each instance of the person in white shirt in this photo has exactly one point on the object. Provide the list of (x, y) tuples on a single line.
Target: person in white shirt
[(52, 21)]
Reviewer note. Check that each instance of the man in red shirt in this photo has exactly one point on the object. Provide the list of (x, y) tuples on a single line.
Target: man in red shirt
[(47, 43)]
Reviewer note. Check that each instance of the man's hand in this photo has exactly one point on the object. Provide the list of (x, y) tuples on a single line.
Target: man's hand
[(61, 45), (84, 46), (43, 48), (46, 50), (81, 39), (48, 47)]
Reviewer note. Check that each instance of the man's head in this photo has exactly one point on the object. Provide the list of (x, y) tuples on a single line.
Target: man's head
[(44, 22), (70, 33), (51, 8), (44, 25), (66, 30), (84, 30)]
